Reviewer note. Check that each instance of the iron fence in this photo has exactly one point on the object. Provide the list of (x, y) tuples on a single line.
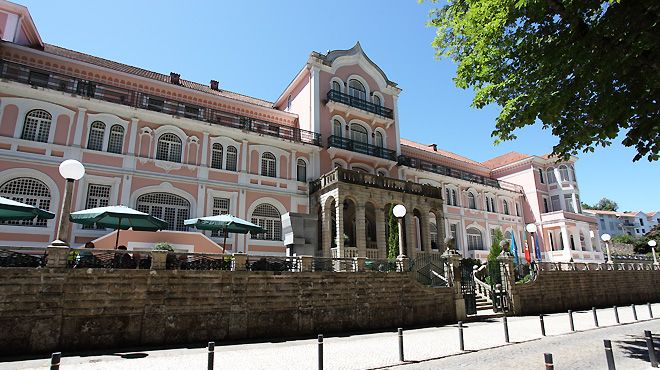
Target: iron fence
[(198, 261), (22, 257), (330, 264), (270, 263), (108, 259)]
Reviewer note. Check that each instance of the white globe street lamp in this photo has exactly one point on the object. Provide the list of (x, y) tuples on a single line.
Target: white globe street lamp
[(652, 244), (606, 238), (399, 212), (531, 228), (71, 170)]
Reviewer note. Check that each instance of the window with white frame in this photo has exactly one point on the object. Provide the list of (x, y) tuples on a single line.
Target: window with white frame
[(97, 196), (231, 160), (379, 140), (551, 175), (268, 217), (472, 201), (517, 210), (377, 100), (492, 205), (37, 126), (169, 148), (336, 86), (96, 134), (452, 199), (453, 231), (356, 89), (475, 239), (336, 128), (505, 206), (268, 165), (359, 133), (568, 201), (556, 205), (541, 175), (546, 208), (563, 173), (216, 155), (302, 170), (116, 139), (169, 207), (29, 191), (572, 171), (220, 207)]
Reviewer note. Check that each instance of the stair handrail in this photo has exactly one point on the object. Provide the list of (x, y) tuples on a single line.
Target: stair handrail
[(483, 289), (439, 276)]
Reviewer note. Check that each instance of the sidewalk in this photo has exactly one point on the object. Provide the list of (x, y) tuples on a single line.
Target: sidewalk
[(349, 352)]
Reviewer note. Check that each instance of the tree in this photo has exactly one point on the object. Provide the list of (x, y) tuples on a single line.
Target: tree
[(494, 271), (605, 204), (393, 237), (586, 69)]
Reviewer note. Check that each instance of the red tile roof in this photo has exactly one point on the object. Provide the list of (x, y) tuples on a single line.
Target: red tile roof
[(120, 67), (505, 159), (441, 152)]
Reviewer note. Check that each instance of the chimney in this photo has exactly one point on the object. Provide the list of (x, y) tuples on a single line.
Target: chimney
[(214, 85), (174, 78), (434, 146)]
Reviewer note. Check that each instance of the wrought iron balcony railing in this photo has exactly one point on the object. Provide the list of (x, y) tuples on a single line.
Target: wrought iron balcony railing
[(113, 94), (360, 147), (340, 97)]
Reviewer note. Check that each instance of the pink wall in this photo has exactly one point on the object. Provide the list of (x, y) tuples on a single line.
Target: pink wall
[(9, 121)]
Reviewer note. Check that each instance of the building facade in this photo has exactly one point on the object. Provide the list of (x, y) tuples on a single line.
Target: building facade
[(625, 223), (329, 149)]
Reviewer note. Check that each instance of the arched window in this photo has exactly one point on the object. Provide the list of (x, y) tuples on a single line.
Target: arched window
[(377, 100), (268, 217), (29, 191), (505, 205), (302, 170), (379, 139), (268, 165), (37, 126), (336, 86), (96, 133), (551, 175), (572, 171), (563, 173), (231, 160), (169, 207), (472, 202), (492, 205), (116, 139), (359, 133), (356, 89), (475, 240), (169, 148), (336, 128), (216, 156), (381, 173), (433, 234)]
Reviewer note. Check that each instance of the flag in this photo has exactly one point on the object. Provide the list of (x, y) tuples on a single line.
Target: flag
[(537, 247), (528, 257), (514, 250)]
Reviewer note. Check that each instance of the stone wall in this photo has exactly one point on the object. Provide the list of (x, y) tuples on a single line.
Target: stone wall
[(45, 310), (559, 291)]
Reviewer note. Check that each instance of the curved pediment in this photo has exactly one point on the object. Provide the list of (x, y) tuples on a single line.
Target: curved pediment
[(355, 55)]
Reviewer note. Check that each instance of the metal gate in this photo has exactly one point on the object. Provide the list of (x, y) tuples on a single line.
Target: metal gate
[(468, 287), (430, 269)]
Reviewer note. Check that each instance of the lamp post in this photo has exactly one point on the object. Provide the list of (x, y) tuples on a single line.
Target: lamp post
[(606, 238), (399, 212), (652, 244), (531, 228), (71, 170)]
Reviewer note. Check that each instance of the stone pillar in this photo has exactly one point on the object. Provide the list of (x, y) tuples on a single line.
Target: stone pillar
[(359, 263), (57, 256), (454, 264), (339, 214), (442, 235), (158, 260), (361, 230), (240, 260), (381, 237), (326, 230), (410, 246), (293, 166), (306, 263), (425, 232), (508, 278), (403, 263)]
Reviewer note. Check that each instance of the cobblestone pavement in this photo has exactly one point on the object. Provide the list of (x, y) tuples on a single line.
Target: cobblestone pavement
[(380, 350)]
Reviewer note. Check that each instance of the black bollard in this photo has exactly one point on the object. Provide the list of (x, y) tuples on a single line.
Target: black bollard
[(593, 309), (609, 355), (461, 344), (55, 361), (616, 315), (400, 344), (548, 361), (651, 348), (506, 329), (320, 351), (650, 309), (543, 327), (634, 310), (570, 320), (211, 355)]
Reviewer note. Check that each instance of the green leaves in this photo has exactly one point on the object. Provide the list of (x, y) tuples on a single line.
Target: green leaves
[(587, 70)]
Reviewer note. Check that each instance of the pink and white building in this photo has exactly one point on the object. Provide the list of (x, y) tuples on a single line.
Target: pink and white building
[(318, 168)]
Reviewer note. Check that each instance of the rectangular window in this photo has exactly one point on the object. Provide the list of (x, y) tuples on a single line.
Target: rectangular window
[(453, 230), (546, 209), (554, 200), (191, 112), (541, 175), (39, 79), (641, 221), (568, 201), (220, 207), (97, 196), (155, 104)]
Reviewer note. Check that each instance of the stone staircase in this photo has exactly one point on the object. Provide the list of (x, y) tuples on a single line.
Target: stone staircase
[(484, 303)]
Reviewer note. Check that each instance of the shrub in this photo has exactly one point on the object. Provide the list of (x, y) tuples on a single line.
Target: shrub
[(163, 246)]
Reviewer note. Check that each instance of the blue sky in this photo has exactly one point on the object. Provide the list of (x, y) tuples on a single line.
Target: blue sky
[(257, 47)]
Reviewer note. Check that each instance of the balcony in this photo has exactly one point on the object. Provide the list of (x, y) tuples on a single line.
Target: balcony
[(423, 165), (558, 216), (360, 147), (132, 98), (352, 101), (340, 175)]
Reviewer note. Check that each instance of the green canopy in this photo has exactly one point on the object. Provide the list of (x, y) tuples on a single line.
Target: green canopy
[(118, 217), (227, 223), (11, 210)]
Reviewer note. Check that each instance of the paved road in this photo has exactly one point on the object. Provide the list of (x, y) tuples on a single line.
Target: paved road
[(380, 350)]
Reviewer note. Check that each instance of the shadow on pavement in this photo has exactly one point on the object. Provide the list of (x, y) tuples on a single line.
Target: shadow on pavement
[(635, 347)]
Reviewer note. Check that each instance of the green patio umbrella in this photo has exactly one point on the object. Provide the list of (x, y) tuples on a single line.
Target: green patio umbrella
[(118, 218), (226, 223), (11, 210)]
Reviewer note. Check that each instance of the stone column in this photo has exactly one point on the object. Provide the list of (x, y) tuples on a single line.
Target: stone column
[(361, 230), (508, 279), (442, 235), (566, 243), (326, 230), (293, 166), (410, 247), (57, 256), (339, 214), (158, 260), (454, 265), (381, 238), (240, 259), (306, 263), (425, 231)]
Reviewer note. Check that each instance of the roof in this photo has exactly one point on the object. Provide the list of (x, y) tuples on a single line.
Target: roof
[(441, 152), (613, 213), (125, 68), (356, 49), (505, 159)]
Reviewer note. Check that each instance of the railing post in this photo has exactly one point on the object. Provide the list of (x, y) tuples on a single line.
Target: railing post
[(57, 256), (650, 310), (400, 332), (461, 343), (360, 263), (609, 355), (306, 263), (593, 309), (320, 351), (240, 261), (570, 320), (211, 355), (403, 264), (634, 311), (158, 260), (506, 328), (542, 326), (651, 347)]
